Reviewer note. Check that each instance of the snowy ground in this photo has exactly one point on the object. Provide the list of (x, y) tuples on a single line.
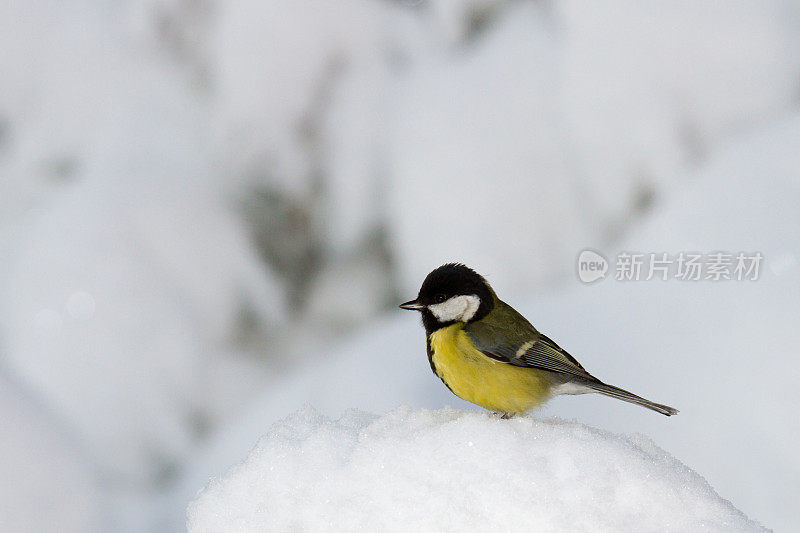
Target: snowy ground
[(448, 470)]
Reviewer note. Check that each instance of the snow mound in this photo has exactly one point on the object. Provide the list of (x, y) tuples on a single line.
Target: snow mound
[(421, 470)]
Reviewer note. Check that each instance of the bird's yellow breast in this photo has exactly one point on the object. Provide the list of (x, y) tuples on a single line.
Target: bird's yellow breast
[(494, 385)]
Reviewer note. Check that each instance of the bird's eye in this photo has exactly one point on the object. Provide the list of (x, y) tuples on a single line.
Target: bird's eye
[(439, 298)]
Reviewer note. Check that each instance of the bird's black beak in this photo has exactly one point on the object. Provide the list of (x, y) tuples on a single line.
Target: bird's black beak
[(413, 305)]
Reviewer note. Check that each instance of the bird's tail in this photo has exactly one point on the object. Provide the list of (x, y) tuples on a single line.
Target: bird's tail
[(621, 394)]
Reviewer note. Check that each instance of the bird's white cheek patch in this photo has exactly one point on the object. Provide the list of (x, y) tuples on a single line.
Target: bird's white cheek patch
[(461, 308)]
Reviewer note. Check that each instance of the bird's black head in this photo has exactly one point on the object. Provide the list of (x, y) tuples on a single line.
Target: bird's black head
[(452, 293)]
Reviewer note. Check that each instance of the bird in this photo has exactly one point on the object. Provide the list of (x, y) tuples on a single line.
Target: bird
[(488, 354)]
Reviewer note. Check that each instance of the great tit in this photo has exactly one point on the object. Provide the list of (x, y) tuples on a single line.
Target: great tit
[(487, 353)]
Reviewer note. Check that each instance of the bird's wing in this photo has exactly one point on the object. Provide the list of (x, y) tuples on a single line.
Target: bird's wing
[(510, 338)]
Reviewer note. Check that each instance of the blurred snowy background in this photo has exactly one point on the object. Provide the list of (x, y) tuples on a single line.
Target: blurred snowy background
[(210, 209)]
